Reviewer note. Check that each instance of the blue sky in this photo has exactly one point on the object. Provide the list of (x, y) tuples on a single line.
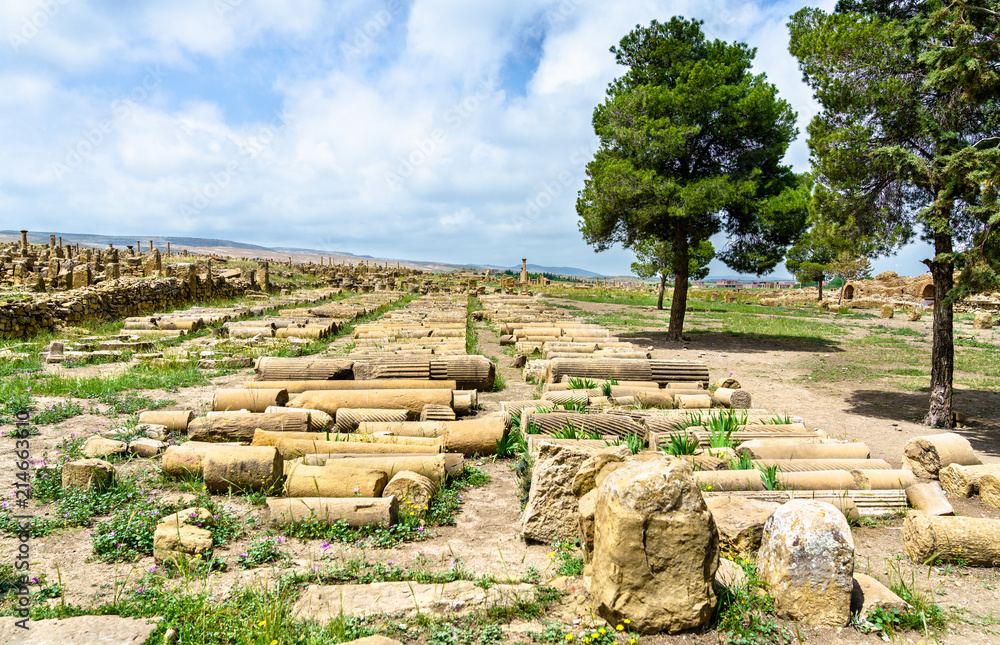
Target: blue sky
[(420, 129)]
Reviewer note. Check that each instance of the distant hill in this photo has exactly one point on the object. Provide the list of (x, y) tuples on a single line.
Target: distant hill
[(209, 245), (535, 268)]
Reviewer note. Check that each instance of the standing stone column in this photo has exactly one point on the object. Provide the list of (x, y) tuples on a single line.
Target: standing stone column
[(524, 270), (262, 279), (24, 241), (52, 241)]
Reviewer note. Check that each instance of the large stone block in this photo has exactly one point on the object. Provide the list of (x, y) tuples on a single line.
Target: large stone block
[(552, 509), (88, 474), (656, 548), (740, 521), (806, 559)]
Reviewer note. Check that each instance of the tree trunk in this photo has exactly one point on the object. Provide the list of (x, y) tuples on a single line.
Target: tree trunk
[(843, 283), (678, 303), (663, 285), (819, 284), (943, 348)]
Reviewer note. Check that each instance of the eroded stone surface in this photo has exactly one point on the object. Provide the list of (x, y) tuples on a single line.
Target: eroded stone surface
[(80, 630), (408, 599), (806, 559)]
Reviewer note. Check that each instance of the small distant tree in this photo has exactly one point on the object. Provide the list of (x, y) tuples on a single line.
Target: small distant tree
[(656, 257), (809, 258), (849, 266)]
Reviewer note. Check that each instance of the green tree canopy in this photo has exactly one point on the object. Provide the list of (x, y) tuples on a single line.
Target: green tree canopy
[(656, 257), (691, 145), (907, 141)]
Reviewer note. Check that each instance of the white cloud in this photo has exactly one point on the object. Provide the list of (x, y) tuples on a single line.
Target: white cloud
[(399, 137)]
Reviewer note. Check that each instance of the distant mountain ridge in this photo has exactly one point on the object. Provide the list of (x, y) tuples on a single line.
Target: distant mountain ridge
[(178, 243)]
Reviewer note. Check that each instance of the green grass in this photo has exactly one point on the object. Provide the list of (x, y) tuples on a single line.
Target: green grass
[(744, 613), (252, 614)]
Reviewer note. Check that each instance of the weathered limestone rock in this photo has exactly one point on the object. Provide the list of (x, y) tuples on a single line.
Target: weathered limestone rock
[(88, 474), (913, 315), (989, 489), (806, 558), (97, 447), (176, 537), (868, 594), (552, 508), (982, 320), (886, 311), (740, 521), (927, 455), (588, 508), (325, 602), (929, 498), (586, 477), (145, 447), (79, 630), (656, 548)]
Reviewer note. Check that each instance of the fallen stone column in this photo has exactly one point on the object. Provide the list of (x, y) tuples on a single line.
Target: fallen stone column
[(598, 369), (972, 540), (433, 467), (927, 455), (765, 450), (964, 480), (735, 480), (267, 438), (693, 401), (251, 332), (187, 324), (172, 420), (241, 468), (348, 419), (730, 398), (565, 385), (271, 368), (472, 437), (240, 426), (250, 400), (411, 401), (567, 396), (297, 387), (602, 424), (413, 490), (436, 413), (293, 448), (357, 512), (807, 465), (321, 481), (318, 420), (883, 479)]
